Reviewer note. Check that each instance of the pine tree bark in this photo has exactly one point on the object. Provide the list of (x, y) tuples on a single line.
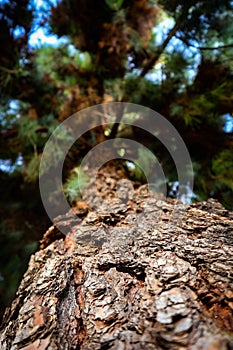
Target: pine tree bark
[(128, 277)]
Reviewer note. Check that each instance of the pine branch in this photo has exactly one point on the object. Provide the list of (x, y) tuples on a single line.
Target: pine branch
[(187, 43), (10, 71), (215, 48), (153, 59)]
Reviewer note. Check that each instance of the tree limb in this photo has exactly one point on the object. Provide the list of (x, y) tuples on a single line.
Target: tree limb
[(186, 42), (151, 62), (10, 71)]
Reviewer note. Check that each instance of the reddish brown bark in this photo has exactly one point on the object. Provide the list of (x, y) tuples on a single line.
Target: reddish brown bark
[(128, 278)]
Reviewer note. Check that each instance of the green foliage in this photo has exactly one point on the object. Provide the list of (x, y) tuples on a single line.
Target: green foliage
[(222, 167), (83, 60), (176, 68), (11, 269), (145, 161), (27, 132), (76, 182), (143, 170), (142, 167), (20, 230), (114, 4), (142, 91), (32, 170)]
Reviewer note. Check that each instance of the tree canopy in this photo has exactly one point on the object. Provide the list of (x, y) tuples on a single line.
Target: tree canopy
[(172, 56)]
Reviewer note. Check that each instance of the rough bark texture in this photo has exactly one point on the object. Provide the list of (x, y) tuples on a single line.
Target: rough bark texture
[(128, 277)]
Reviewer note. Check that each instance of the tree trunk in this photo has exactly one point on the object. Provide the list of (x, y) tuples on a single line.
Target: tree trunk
[(133, 274)]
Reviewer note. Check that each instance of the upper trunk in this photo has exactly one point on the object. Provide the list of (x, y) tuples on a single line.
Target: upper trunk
[(133, 274)]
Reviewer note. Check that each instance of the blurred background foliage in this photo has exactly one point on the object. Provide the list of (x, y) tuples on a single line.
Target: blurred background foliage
[(172, 56)]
